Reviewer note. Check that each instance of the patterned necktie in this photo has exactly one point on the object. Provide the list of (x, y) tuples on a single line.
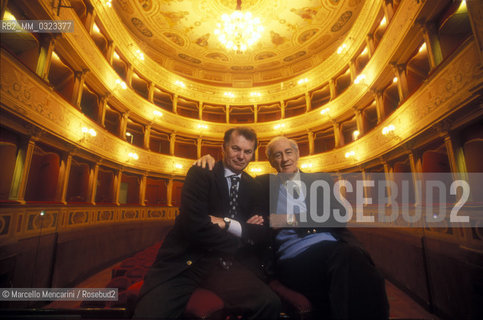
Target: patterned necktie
[(233, 196)]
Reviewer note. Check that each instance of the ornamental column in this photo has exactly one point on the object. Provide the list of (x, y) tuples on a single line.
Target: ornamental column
[(22, 169), (169, 191), (172, 140), (64, 174), (381, 113), (433, 45), (45, 57)]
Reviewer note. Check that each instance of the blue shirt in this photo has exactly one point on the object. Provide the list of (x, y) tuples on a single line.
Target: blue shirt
[(290, 244)]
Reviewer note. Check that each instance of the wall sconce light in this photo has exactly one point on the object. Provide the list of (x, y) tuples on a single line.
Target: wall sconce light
[(87, 131), (341, 48), (355, 134), (303, 81), (389, 131), (359, 79), (350, 154), (130, 136), (279, 126), (96, 28), (422, 47), (139, 54), (383, 21), (386, 130), (180, 84), (133, 155), (157, 113), (120, 83), (306, 165)]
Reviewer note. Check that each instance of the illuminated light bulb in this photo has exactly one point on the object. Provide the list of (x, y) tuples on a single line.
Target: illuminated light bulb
[(178, 166), (422, 47), (364, 51), (180, 83), (388, 129), (140, 54), (133, 155), (383, 21), (324, 111), (302, 81), (9, 16), (92, 132), (116, 56), (356, 134), (121, 83), (359, 79), (96, 28), (279, 126), (350, 154), (341, 48), (202, 126), (395, 79), (128, 134), (158, 113)]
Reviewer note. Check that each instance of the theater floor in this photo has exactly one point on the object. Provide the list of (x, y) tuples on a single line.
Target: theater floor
[(401, 305)]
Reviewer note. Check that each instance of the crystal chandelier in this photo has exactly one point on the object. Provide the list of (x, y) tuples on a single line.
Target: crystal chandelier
[(239, 30)]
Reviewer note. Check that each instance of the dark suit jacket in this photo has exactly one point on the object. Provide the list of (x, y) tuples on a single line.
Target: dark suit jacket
[(271, 191), (193, 236)]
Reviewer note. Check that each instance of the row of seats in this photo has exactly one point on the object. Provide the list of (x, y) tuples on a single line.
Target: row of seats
[(203, 304)]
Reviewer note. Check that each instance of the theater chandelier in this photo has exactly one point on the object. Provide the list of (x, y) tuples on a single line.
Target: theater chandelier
[(238, 31)]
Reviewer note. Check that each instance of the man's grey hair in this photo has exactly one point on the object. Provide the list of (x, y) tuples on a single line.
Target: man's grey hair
[(269, 148)]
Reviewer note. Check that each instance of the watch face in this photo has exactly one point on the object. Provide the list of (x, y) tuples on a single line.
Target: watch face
[(226, 219)]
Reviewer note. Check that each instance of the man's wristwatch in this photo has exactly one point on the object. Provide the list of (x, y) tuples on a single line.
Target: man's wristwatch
[(227, 223)]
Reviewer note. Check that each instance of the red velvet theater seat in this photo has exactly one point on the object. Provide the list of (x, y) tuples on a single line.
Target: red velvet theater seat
[(203, 303)]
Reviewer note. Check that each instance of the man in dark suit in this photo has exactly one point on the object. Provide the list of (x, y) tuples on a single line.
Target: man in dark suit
[(213, 242), (327, 264)]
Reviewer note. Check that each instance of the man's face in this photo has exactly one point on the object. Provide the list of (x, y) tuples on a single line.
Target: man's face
[(284, 157), (238, 152)]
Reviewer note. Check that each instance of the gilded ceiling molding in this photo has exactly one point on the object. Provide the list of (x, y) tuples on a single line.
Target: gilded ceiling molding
[(197, 91)]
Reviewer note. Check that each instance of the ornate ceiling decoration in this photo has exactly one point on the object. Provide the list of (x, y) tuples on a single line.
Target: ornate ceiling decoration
[(179, 35)]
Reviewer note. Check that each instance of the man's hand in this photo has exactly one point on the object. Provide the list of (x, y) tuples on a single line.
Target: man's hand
[(219, 221), (205, 160), (255, 219)]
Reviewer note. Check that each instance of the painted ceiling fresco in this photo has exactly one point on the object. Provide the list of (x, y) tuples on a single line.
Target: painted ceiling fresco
[(179, 35)]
